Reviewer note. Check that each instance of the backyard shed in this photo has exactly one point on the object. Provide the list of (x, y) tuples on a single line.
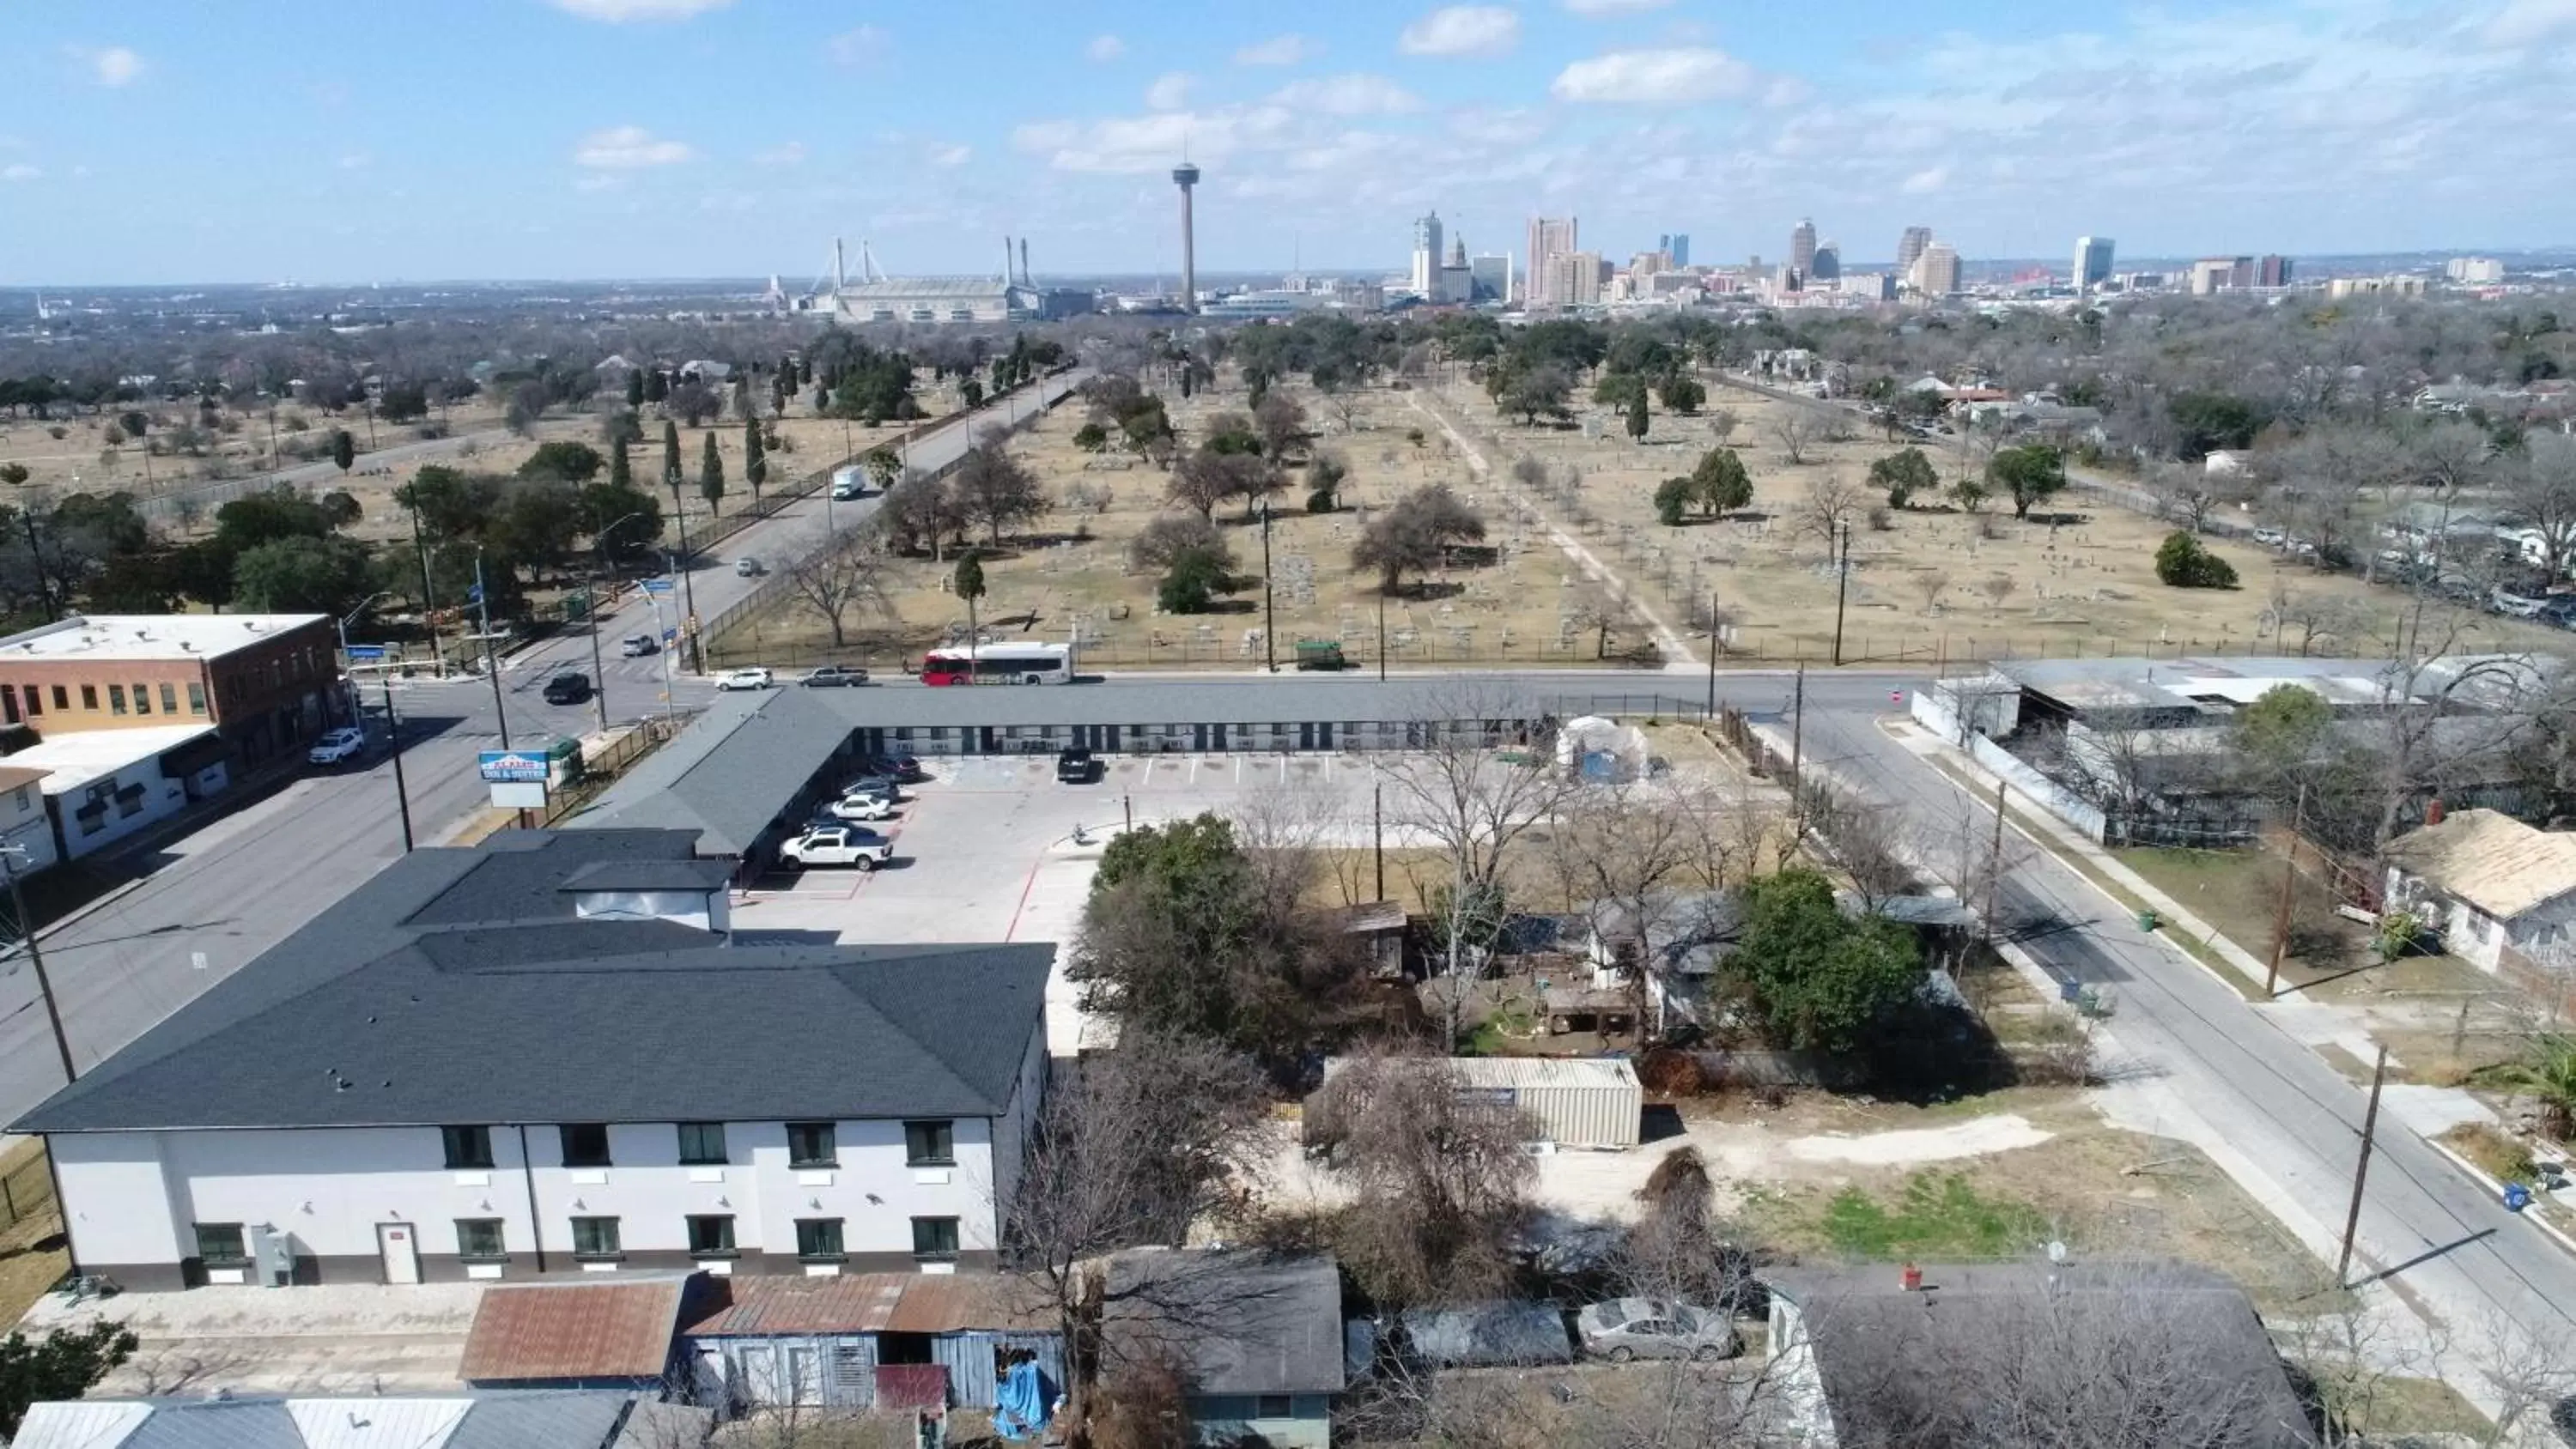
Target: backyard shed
[(837, 1342), (1570, 1101)]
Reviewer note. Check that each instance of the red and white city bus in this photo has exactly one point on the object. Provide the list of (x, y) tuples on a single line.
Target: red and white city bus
[(999, 664)]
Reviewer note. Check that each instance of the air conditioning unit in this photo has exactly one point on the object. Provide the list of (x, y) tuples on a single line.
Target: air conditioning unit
[(274, 1254)]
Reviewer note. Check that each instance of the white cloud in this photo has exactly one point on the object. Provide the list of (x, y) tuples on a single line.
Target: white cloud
[(1288, 49), (1926, 181), (1147, 144), (951, 154), (1614, 7), (1655, 77), (628, 148), (1169, 92), (355, 161), (112, 66), (1105, 48), (1462, 30), (864, 46), (791, 153), (20, 171), (1348, 95), (2522, 22), (619, 12), (599, 182)]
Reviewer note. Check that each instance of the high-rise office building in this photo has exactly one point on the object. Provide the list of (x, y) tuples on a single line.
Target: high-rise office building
[(1802, 248), (2222, 274), (1426, 257), (1489, 278), (1910, 247), (1572, 279), (1936, 271), (1828, 265), (1677, 247), (2273, 270), (2092, 262), (1550, 237), (1457, 282)]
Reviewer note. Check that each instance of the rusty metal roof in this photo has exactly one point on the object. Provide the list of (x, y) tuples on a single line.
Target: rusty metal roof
[(554, 1331), (756, 1307), (958, 1302)]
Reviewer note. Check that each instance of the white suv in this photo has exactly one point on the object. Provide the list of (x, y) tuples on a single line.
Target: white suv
[(752, 678), (340, 745)]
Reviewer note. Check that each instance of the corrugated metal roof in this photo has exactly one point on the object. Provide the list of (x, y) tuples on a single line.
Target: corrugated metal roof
[(2491, 860), (958, 1302), (78, 1425), (554, 1331), (377, 1423), (554, 1420), (1526, 1073), (759, 1307), (219, 1424), (1244, 1322)]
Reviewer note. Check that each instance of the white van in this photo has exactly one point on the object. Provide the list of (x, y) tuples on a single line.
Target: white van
[(848, 483)]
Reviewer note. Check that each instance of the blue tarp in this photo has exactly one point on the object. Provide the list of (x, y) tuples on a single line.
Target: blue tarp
[(1022, 1413)]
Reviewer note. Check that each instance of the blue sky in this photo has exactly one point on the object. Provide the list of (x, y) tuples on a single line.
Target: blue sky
[(257, 140)]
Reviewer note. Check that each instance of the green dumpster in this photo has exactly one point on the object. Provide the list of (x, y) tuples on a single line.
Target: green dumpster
[(2148, 920)]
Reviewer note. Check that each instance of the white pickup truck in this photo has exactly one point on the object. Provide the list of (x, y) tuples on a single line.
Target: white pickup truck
[(848, 845)]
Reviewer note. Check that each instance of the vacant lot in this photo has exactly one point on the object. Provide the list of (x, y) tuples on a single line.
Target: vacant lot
[(1928, 582), (1517, 599)]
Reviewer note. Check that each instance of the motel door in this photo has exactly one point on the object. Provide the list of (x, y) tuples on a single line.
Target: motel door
[(399, 1246)]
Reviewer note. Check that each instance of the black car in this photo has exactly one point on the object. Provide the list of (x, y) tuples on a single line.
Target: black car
[(902, 768), (570, 687), (1077, 767)]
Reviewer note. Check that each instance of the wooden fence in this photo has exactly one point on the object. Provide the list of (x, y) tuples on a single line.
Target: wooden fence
[(26, 1191)]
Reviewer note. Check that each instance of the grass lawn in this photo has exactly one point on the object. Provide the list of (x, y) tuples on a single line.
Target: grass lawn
[(1936, 1215), (2239, 893)]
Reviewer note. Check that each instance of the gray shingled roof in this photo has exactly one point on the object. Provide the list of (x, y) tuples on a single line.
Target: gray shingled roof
[(456, 986), (650, 875), (1925, 1368), (1245, 1322), (730, 773)]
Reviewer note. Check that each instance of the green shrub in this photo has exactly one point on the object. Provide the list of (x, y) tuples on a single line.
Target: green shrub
[(2183, 563)]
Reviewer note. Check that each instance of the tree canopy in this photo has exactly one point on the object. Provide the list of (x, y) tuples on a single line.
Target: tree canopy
[(1819, 979)]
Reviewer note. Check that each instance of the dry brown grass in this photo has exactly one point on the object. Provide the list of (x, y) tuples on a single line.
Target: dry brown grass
[(33, 1253)]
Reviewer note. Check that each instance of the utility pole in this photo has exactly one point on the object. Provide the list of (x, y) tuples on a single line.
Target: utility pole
[(688, 585), (36, 954), (1797, 730), (491, 666), (393, 738), (1381, 636), (2361, 1169), (2281, 922), (1995, 861), (1269, 597), (1711, 711), (1842, 586), (45, 587), (1377, 832), (428, 605)]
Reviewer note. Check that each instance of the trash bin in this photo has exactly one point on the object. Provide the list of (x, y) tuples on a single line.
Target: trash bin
[(2149, 920)]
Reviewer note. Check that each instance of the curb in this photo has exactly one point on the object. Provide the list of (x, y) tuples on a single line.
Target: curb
[(2495, 1187)]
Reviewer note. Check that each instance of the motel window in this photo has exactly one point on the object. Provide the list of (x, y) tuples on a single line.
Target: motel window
[(595, 1238), (9, 701), (479, 1238), (89, 697), (585, 1144), (810, 1144), (930, 1144), (142, 698), (819, 1238), (1271, 1406), (62, 697), (702, 1144), (35, 699), (220, 1244), (711, 1236), (467, 1147), (934, 1238), (196, 699), (116, 699), (18, 799), (169, 699)]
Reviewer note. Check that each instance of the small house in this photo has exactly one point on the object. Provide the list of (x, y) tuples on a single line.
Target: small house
[(1257, 1338), (781, 1342), (2487, 881)]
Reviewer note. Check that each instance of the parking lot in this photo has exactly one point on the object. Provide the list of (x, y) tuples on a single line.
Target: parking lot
[(993, 848)]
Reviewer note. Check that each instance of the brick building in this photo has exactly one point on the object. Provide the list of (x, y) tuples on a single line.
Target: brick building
[(267, 682)]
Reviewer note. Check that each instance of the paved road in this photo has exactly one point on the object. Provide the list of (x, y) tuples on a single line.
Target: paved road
[(231, 890)]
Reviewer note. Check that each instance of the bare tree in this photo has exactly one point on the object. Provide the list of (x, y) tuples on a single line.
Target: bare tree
[(1931, 583), (848, 573), (1997, 588), (1439, 1176), (1620, 853), (1796, 430), (1832, 502), (1454, 792), (1131, 1147), (2320, 617), (1722, 423), (2539, 495)]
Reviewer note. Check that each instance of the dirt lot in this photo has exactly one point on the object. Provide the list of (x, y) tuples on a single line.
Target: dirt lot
[(1933, 583), (33, 1253)]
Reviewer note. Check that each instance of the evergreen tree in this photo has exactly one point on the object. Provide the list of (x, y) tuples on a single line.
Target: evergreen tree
[(635, 389), (1637, 415), (344, 449), (671, 456), (621, 473), (657, 386), (711, 479), (755, 461)]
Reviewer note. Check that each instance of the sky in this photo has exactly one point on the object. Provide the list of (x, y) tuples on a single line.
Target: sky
[(169, 141)]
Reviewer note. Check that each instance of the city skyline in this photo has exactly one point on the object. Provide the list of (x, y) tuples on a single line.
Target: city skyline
[(648, 138)]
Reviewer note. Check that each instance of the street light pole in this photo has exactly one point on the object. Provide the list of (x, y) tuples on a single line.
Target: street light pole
[(491, 665), (36, 954), (599, 671), (1269, 597), (393, 735)]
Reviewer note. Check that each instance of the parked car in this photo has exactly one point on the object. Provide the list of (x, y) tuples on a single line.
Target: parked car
[(851, 845), (1077, 767), (1630, 1328), (885, 785), (904, 768), (570, 687), (834, 676), (747, 567), (755, 677), (861, 806), (339, 745), (636, 646)]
